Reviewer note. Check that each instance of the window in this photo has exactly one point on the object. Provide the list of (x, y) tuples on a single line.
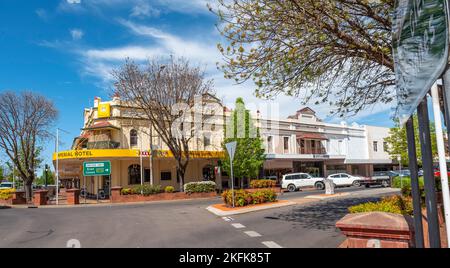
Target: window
[(206, 141), (166, 176), (385, 146), (147, 175), (133, 138), (134, 174), (375, 146), (270, 144), (286, 143), (340, 147), (304, 176)]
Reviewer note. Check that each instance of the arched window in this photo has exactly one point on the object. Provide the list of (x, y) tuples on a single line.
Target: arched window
[(133, 138), (134, 174)]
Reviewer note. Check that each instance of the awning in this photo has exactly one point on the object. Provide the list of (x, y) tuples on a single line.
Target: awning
[(311, 136), (101, 125)]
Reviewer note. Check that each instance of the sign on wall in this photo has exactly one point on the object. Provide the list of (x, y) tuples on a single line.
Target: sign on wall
[(101, 168), (420, 50)]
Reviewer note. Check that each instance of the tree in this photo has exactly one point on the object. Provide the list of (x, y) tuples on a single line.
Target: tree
[(24, 122), (165, 92), (398, 146), (249, 156), (331, 51), (46, 177)]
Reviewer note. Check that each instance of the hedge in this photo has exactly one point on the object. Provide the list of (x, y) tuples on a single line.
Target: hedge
[(6, 194), (244, 198), (146, 190), (262, 183), (200, 187), (394, 204)]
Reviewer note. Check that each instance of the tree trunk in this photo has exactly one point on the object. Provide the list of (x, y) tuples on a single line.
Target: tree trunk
[(28, 190), (180, 175)]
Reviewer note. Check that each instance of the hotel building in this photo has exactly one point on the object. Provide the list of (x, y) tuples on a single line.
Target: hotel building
[(117, 133)]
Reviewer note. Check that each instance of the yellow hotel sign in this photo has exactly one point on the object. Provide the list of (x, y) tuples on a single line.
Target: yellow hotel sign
[(130, 153)]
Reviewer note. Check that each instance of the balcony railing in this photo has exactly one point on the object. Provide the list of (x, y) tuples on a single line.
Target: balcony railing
[(312, 151), (103, 145)]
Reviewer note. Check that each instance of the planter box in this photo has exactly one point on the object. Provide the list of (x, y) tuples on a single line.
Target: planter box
[(117, 198), (18, 198), (377, 230)]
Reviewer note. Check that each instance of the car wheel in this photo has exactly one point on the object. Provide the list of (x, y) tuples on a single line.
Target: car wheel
[(291, 188), (385, 184), (356, 183), (367, 185), (319, 185)]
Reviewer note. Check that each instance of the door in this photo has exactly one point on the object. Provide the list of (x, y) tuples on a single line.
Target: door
[(346, 179), (336, 179), (305, 180)]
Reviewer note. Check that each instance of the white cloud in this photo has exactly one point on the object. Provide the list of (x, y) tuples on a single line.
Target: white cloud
[(121, 53), (76, 34), (42, 13), (74, 1), (143, 9)]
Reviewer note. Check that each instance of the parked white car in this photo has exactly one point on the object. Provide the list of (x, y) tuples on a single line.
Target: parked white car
[(294, 181), (6, 185), (344, 179)]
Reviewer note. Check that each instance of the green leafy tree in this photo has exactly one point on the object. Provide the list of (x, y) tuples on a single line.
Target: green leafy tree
[(50, 178), (398, 145), (332, 51), (250, 155)]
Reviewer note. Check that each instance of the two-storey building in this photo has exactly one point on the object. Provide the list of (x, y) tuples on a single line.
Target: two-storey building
[(115, 132)]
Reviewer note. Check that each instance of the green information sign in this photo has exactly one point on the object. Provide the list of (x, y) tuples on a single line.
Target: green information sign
[(420, 46), (101, 168)]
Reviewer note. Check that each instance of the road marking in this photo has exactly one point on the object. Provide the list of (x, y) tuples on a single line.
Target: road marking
[(227, 219), (271, 244), (252, 234), (238, 225)]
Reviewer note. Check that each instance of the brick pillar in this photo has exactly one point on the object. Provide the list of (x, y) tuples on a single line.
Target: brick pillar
[(115, 194), (19, 198), (40, 198), (73, 196), (377, 230)]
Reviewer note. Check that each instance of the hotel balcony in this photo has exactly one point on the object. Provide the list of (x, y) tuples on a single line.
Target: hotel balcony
[(103, 145)]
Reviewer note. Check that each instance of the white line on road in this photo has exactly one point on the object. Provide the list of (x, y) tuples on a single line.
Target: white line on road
[(238, 225), (227, 219), (271, 244), (252, 234)]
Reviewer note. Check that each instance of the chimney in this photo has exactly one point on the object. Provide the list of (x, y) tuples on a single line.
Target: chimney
[(97, 101)]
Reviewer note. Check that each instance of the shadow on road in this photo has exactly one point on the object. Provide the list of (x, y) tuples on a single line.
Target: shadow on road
[(321, 216), (4, 207)]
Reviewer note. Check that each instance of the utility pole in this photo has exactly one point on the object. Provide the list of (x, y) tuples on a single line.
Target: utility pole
[(151, 153)]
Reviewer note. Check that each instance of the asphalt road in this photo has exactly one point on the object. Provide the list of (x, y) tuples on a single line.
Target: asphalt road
[(185, 224)]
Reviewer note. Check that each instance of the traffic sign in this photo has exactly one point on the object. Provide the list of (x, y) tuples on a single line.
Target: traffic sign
[(420, 50), (231, 148), (101, 168)]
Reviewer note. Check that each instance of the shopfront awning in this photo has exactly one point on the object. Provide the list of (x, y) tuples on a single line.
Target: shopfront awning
[(311, 136)]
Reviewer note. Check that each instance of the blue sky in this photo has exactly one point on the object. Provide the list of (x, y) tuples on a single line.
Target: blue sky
[(66, 49)]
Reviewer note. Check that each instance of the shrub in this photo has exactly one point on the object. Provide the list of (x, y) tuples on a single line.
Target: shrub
[(244, 198), (262, 183), (125, 191), (147, 190), (169, 189), (395, 204), (6, 194), (200, 187)]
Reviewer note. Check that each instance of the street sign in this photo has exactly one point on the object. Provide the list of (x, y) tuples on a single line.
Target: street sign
[(420, 50), (102, 168), (231, 148)]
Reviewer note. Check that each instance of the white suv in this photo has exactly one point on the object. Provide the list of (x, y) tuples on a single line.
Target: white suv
[(344, 179), (294, 181)]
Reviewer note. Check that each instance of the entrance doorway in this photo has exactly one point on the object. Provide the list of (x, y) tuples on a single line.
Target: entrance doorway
[(314, 169)]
